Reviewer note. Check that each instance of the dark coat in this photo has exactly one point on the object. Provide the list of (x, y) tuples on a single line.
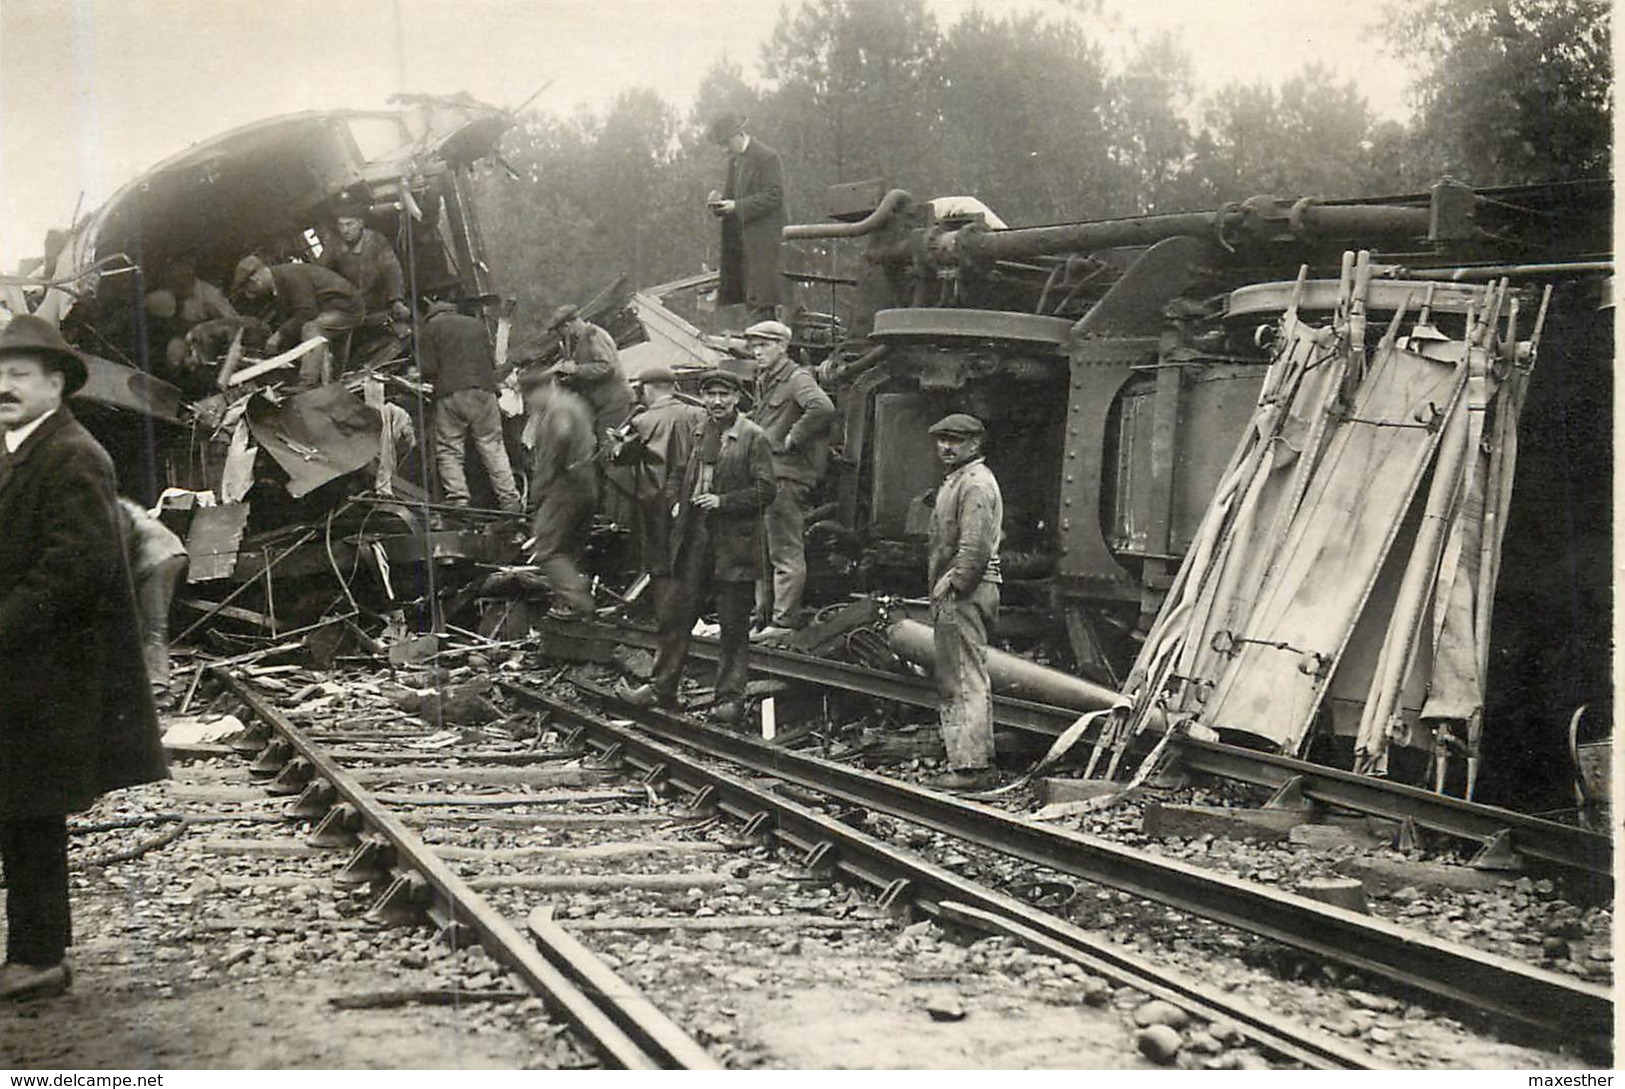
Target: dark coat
[(744, 481), (797, 415), (657, 466), (371, 266), (454, 352), (749, 260), (304, 291), (76, 713), (599, 377)]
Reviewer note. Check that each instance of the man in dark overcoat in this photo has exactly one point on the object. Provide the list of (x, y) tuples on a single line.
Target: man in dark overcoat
[(76, 714), (751, 208), (716, 548)]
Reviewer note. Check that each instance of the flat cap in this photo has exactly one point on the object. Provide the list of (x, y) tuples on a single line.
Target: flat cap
[(727, 124), (351, 205), (657, 373), (719, 377), (768, 330), (245, 271), (957, 423), (562, 315)]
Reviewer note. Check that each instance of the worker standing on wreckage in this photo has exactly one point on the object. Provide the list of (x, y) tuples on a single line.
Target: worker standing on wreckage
[(76, 717), (796, 415), (454, 353), (728, 484), (366, 259), (563, 488), (966, 523)]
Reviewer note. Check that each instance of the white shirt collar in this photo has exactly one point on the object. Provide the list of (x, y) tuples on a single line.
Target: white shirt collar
[(17, 435)]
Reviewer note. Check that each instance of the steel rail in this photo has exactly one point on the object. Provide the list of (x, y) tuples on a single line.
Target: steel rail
[(1564, 845), (938, 892), (1568, 1008), (635, 1037)]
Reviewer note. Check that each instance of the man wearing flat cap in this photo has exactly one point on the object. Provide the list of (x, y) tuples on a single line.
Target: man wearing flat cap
[(751, 208), (796, 416), (308, 301), (715, 549), (966, 527), (76, 715), (563, 489), (592, 367)]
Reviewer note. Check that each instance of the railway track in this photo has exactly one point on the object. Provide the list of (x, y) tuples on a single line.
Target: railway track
[(1558, 1006), (609, 774), (1493, 830)]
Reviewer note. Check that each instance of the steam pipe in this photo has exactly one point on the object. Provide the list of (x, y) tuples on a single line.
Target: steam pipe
[(1010, 675), (1260, 217), (869, 224)]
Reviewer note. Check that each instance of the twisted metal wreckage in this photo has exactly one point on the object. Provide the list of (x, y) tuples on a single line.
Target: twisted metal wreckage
[(1258, 461)]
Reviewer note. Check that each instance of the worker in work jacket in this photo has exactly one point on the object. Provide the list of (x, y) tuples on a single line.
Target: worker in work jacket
[(563, 489), (715, 549), (309, 301), (966, 523), (592, 367), (365, 258), (796, 415), (454, 352)]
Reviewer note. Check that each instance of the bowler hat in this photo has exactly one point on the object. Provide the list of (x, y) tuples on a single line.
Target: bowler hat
[(768, 330), (32, 335), (718, 376), (562, 315), (727, 124), (957, 423)]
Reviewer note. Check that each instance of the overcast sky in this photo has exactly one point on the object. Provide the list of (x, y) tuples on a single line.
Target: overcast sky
[(94, 91)]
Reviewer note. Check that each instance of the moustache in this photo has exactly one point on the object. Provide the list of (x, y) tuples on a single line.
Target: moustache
[(7, 400)]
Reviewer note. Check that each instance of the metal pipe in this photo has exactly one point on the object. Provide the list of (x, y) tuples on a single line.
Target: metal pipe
[(1496, 272), (1011, 675), (869, 224), (977, 244)]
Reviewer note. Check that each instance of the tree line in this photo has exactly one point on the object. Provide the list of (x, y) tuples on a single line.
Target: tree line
[(1028, 113)]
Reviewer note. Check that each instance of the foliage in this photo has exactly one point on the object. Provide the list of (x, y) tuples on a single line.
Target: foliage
[(1026, 112), (1509, 91)]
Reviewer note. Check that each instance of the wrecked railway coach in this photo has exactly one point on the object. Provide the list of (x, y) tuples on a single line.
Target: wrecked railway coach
[(1117, 362), (267, 188)]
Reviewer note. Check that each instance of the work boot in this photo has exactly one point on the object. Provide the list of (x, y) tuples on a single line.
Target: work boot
[(728, 712), (773, 633), (965, 779), (644, 695), (23, 981)]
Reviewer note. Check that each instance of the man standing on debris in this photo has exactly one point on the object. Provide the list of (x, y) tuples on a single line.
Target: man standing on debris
[(76, 717), (310, 301), (796, 416), (563, 489), (592, 367), (157, 561), (454, 353), (664, 437), (751, 208), (966, 526), (716, 547), (366, 259)]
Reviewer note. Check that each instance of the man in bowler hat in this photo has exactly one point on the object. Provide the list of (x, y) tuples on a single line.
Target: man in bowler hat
[(76, 715), (751, 209)]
